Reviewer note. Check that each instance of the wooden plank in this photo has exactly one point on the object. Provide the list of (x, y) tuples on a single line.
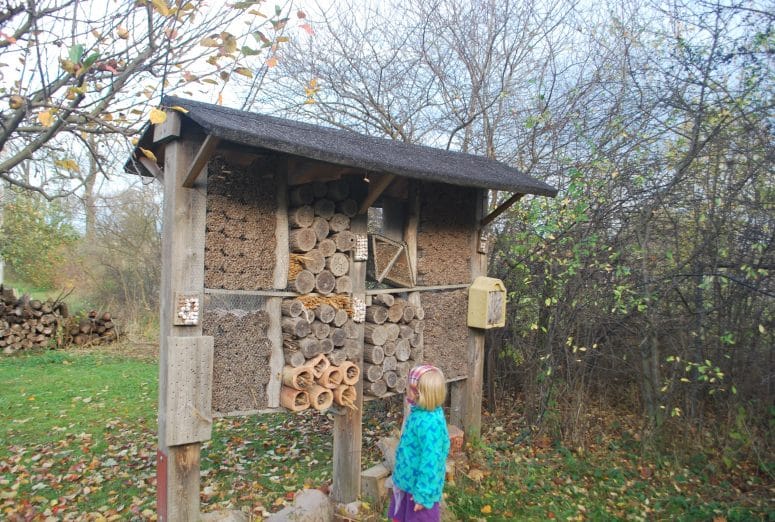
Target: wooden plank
[(347, 427), (503, 207), (276, 360), (282, 250), (258, 293), (471, 400), (169, 129), (189, 390), (152, 168), (376, 188), (182, 271), (376, 291), (306, 171), (203, 155), (411, 225)]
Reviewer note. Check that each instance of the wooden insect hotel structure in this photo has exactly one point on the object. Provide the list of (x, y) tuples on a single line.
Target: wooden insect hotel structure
[(310, 267)]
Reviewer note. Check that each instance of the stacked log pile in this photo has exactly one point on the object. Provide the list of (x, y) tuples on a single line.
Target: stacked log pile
[(393, 342), (26, 323), (319, 336), (95, 328)]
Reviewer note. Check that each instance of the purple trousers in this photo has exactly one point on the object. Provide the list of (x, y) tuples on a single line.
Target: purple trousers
[(404, 511)]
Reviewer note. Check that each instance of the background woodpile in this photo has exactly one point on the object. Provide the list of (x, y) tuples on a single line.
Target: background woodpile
[(393, 342), (320, 338), (26, 323), (95, 328)]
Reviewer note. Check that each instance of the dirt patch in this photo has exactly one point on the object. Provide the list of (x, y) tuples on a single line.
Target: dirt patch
[(446, 331), (445, 234)]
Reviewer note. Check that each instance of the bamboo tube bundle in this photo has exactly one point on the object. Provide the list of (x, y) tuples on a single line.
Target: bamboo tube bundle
[(298, 378), (350, 373), (331, 377), (318, 363), (294, 400), (345, 396), (320, 398)]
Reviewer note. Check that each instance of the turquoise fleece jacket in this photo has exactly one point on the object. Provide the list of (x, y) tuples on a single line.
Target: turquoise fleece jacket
[(421, 456)]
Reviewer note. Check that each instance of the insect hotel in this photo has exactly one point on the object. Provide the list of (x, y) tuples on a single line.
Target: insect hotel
[(310, 267)]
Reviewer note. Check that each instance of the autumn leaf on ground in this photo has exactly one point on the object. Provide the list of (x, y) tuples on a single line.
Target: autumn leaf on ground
[(487, 509), (158, 116), (476, 475)]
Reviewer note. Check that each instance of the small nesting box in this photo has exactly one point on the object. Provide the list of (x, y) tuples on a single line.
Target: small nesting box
[(487, 303)]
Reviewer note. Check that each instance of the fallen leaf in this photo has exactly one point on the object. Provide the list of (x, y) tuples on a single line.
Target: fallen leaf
[(486, 509), (158, 116)]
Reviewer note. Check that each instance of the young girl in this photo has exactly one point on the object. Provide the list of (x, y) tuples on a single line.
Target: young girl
[(418, 476)]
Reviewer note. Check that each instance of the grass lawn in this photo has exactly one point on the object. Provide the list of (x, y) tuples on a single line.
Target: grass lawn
[(78, 443)]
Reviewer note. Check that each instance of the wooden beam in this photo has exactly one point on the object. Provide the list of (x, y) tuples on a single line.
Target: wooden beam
[(376, 188), (306, 171), (503, 207), (182, 271), (200, 160), (152, 167), (348, 427), (169, 129)]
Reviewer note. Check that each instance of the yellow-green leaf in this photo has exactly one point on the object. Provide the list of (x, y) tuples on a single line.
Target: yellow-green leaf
[(46, 118), (162, 7), (148, 154), (158, 116), (68, 164), (179, 109), (244, 71)]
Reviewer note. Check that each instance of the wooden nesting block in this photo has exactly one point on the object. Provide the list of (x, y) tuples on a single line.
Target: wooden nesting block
[(340, 318), (337, 190), (417, 325), (351, 329), (324, 208), (294, 358), (389, 363), (331, 377), (416, 340), (327, 247), (393, 330), (325, 313), (405, 331), (400, 385), (326, 346), (298, 378), (376, 314), (408, 314), (295, 326), (389, 347), (375, 333), (375, 389), (372, 372), (294, 400), (348, 207), (320, 398), (403, 350), (403, 368), (325, 282), (304, 283), (350, 373), (344, 285), (321, 228), (292, 307), (301, 195), (373, 353), (320, 329), (302, 239), (338, 264), (338, 223), (337, 357), (417, 354), (301, 217), (345, 240)]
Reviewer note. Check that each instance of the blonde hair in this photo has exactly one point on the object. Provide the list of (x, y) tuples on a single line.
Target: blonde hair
[(431, 390)]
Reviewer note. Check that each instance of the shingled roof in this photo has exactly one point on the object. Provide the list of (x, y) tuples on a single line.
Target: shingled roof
[(351, 149)]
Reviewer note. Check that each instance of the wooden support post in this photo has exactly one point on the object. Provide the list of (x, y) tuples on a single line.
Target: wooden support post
[(471, 388), (347, 426), (200, 160), (182, 271), (376, 188)]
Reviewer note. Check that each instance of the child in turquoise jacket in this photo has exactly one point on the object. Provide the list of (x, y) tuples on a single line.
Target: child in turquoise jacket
[(418, 476)]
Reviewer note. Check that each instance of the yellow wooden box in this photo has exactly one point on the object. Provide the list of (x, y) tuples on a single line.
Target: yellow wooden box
[(487, 303)]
